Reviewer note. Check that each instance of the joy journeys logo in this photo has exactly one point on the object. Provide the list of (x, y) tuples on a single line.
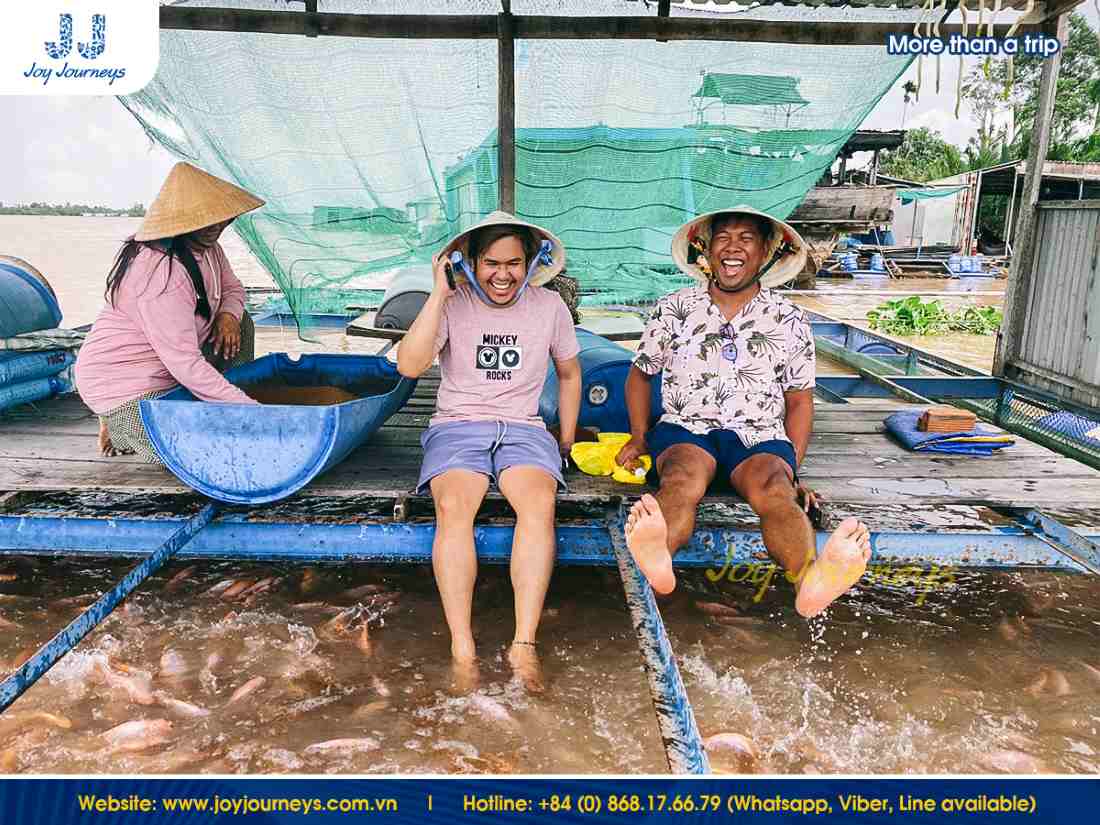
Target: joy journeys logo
[(117, 46)]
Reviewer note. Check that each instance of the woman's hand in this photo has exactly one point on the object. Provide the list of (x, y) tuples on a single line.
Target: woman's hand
[(226, 336), (629, 454)]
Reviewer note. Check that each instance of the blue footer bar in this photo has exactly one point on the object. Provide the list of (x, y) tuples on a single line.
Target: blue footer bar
[(595, 800)]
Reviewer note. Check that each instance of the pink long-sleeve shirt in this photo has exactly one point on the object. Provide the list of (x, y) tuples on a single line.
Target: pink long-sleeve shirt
[(150, 337)]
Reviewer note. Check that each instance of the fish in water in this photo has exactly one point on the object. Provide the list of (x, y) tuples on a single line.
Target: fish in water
[(236, 589), (343, 746), (137, 685), (311, 581), (717, 609), (1050, 682), (177, 580), (172, 663), (493, 710), (181, 708), (319, 396), (5, 624), (247, 689), (1013, 761), (734, 750), (362, 640), (138, 735)]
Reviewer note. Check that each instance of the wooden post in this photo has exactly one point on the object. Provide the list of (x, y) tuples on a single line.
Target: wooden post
[(843, 168), (974, 216), (506, 109), (314, 28), (1009, 214), (874, 169), (1018, 288)]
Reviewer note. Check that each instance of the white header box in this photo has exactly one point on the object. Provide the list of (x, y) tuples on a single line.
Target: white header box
[(78, 47)]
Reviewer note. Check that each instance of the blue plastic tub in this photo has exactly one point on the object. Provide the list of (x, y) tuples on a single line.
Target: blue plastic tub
[(604, 367), (247, 454), (26, 302)]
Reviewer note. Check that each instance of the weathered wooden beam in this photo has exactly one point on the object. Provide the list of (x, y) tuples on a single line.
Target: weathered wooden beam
[(506, 112), (441, 26), (485, 27), (1018, 289), (1052, 10)]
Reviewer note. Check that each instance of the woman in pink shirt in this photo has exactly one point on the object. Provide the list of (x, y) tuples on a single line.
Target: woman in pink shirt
[(495, 331), (174, 314)]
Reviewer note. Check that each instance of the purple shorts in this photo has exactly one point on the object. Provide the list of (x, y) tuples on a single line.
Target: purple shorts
[(489, 448)]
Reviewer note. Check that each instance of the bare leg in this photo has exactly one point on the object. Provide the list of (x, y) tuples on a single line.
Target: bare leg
[(532, 492), (106, 448), (660, 525), (457, 495), (766, 483)]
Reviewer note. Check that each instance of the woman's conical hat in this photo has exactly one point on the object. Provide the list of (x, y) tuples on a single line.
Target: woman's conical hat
[(543, 272), (694, 237), (192, 199)]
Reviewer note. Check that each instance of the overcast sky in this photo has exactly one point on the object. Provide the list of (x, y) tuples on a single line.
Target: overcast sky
[(90, 150)]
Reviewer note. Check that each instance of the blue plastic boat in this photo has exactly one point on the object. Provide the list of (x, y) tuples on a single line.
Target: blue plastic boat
[(247, 454), (604, 367)]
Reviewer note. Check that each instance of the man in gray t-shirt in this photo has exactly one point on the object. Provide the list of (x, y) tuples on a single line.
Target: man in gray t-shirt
[(495, 329)]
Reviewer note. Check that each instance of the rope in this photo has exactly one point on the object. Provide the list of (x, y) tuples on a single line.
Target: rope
[(50, 654), (675, 718)]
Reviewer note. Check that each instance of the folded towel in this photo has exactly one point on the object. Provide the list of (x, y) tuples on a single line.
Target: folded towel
[(980, 441)]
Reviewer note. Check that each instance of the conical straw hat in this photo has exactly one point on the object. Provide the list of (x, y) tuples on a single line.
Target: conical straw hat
[(694, 236), (192, 199), (543, 272)]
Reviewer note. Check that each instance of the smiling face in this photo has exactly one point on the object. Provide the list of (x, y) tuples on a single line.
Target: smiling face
[(501, 268), (736, 252)]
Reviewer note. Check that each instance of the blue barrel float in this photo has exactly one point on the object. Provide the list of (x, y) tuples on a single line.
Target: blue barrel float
[(604, 367), (27, 301), (248, 454), (28, 304)]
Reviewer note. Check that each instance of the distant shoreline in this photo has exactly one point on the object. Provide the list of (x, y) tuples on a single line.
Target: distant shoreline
[(70, 211)]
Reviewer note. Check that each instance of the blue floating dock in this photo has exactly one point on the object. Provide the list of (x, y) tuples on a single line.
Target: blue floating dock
[(247, 454)]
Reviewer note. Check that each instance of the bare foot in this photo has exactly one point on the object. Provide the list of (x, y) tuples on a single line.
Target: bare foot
[(647, 538), (526, 665), (106, 448), (465, 676), (838, 567)]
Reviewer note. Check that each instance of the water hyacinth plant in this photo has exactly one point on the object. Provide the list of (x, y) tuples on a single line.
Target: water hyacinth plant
[(912, 316)]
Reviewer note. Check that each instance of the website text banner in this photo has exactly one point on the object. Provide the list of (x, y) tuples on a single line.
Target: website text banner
[(445, 800)]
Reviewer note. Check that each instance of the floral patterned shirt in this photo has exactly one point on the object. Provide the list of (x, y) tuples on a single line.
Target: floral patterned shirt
[(733, 380)]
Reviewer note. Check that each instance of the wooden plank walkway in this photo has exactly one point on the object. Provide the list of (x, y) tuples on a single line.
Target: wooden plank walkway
[(851, 462)]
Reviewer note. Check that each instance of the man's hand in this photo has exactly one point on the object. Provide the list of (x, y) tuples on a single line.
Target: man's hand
[(440, 284), (565, 448), (226, 336), (810, 502), (627, 457)]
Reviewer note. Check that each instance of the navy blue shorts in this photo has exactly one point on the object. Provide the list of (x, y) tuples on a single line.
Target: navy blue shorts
[(723, 445)]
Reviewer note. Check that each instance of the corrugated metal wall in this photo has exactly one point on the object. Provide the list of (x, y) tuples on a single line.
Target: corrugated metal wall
[(1060, 347)]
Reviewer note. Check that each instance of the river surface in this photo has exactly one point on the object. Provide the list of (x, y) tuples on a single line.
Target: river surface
[(987, 673)]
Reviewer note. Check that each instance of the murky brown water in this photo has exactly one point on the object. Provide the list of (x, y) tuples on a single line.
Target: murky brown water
[(998, 673), (988, 675)]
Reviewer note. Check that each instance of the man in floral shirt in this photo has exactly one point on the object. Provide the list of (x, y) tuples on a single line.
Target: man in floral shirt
[(737, 380)]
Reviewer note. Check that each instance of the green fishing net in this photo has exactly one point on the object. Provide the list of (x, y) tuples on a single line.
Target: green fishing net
[(371, 153)]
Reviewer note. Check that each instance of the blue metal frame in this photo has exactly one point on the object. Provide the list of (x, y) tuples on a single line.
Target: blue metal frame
[(679, 732), (240, 537)]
